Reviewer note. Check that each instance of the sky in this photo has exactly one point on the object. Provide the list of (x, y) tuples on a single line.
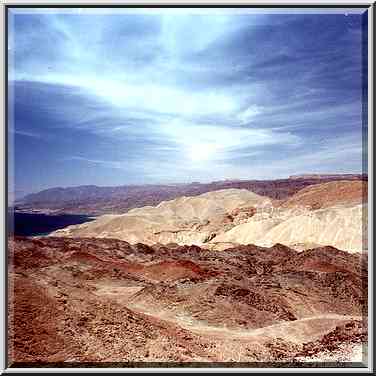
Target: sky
[(145, 96)]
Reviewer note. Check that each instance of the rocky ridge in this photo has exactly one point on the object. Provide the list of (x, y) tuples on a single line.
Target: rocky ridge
[(105, 300), (315, 216)]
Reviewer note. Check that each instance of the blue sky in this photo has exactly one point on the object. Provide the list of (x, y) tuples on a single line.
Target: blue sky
[(162, 96)]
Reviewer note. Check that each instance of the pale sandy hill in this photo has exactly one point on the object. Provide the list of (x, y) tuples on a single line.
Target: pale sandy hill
[(330, 194), (185, 220), (341, 227), (324, 214), (205, 206)]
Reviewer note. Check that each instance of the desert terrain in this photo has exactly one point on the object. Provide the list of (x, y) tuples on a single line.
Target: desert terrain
[(221, 277), (331, 213), (93, 300), (95, 200)]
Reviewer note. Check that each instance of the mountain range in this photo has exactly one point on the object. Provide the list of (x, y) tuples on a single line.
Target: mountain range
[(95, 200)]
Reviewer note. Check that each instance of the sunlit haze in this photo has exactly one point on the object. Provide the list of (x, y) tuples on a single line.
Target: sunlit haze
[(162, 96)]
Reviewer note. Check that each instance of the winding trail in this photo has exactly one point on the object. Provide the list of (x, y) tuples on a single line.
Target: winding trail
[(303, 330)]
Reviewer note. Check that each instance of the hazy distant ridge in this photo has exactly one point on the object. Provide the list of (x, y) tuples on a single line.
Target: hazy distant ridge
[(91, 199)]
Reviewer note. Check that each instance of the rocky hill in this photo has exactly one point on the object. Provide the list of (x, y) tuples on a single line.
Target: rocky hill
[(332, 214), (105, 300), (329, 194)]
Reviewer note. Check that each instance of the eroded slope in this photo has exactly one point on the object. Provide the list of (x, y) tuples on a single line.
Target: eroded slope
[(107, 300), (330, 214)]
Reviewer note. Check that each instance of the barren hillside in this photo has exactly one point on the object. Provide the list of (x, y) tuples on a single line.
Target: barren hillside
[(315, 216), (329, 194), (94, 300), (185, 220)]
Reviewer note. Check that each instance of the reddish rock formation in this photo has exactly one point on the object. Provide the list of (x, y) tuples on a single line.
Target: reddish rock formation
[(329, 194), (101, 300)]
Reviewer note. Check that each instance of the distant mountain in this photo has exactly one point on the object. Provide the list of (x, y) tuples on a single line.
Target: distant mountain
[(94, 200), (330, 176)]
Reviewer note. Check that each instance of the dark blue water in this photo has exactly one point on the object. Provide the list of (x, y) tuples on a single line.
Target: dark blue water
[(25, 224)]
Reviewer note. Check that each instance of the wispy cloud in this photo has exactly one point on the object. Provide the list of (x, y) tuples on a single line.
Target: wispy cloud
[(27, 134), (110, 164), (188, 95)]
